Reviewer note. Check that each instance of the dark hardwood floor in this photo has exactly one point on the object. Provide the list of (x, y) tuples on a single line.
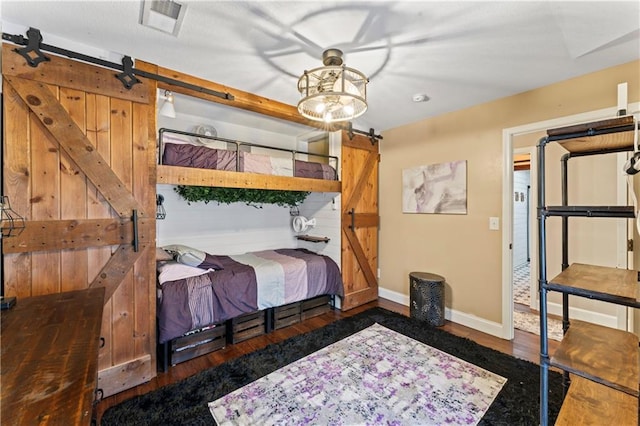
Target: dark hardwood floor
[(524, 345)]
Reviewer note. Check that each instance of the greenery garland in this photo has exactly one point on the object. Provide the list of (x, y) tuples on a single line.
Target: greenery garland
[(251, 197)]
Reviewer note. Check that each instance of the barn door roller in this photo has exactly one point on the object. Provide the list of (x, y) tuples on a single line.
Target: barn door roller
[(373, 138)]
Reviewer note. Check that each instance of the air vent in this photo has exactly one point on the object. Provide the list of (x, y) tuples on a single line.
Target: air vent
[(162, 15)]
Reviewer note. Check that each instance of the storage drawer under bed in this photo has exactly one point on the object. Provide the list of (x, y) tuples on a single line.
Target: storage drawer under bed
[(235, 330), (191, 345), (246, 326), (293, 313)]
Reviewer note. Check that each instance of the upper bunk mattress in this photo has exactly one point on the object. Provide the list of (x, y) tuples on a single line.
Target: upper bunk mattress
[(203, 157)]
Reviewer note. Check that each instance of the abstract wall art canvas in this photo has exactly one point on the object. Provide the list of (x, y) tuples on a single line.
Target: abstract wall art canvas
[(435, 188)]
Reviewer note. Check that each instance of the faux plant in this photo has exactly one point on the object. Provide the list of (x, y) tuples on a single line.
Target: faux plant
[(251, 197)]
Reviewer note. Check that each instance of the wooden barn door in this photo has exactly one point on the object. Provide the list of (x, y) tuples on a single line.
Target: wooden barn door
[(79, 164), (360, 220)]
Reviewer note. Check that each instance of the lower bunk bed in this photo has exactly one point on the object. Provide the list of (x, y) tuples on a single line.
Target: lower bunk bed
[(206, 301)]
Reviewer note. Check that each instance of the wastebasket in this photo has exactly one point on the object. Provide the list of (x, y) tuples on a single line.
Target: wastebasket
[(426, 295)]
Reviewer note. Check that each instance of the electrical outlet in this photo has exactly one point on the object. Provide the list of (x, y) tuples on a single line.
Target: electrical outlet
[(494, 223)]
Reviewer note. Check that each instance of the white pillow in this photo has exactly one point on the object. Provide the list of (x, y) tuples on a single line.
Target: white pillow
[(172, 271), (193, 257)]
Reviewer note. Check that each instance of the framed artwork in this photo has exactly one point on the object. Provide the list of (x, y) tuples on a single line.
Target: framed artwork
[(435, 188)]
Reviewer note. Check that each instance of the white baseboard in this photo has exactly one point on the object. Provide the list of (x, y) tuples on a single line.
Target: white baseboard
[(494, 328), (471, 321), (477, 323), (584, 315), (394, 296)]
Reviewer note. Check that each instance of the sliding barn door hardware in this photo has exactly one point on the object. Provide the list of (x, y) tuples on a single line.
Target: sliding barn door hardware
[(126, 77), (127, 73), (371, 133), (32, 47)]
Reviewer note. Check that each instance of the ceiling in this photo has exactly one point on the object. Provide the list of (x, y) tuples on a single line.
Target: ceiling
[(457, 53)]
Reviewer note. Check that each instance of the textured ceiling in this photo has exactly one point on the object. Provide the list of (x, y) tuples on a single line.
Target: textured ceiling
[(458, 53)]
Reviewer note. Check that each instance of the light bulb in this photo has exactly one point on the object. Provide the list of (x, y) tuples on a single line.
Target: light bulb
[(328, 117), (348, 109), (320, 107)]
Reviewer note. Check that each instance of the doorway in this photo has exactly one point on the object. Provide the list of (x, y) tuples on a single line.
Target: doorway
[(619, 319), (521, 229)]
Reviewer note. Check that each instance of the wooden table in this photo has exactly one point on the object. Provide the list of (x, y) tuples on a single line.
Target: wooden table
[(49, 358)]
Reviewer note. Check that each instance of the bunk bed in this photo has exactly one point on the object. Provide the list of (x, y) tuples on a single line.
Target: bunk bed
[(226, 299), (206, 301), (185, 158)]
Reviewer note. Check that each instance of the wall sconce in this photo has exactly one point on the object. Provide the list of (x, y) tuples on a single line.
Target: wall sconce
[(301, 223), (12, 223), (161, 213), (167, 109)]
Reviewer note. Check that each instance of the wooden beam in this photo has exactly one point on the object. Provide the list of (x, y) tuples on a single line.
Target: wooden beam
[(176, 175), (242, 100), (74, 142), (65, 72), (116, 268), (76, 234)]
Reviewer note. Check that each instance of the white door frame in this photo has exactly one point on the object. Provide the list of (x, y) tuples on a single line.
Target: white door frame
[(533, 207), (508, 135)]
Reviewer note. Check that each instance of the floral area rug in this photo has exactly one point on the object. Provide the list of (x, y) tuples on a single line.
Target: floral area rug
[(375, 376), (530, 322)]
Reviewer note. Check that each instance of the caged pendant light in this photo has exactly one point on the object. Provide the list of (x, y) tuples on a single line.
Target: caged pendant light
[(334, 92)]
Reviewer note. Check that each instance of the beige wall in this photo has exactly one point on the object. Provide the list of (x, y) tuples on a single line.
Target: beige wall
[(461, 247)]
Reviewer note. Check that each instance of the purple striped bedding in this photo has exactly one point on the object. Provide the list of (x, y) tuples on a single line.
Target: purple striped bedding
[(203, 157), (248, 283)]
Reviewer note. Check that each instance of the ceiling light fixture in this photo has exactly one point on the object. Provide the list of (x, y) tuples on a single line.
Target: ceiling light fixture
[(334, 92), (167, 109), (162, 15)]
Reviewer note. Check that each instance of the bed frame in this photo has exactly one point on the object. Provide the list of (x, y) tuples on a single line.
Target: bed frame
[(178, 175), (216, 336)]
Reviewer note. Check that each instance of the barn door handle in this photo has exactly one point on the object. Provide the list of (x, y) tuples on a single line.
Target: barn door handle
[(136, 241), (353, 219)]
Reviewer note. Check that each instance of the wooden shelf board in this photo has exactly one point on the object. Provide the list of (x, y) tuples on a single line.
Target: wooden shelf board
[(590, 403), (613, 285), (621, 136), (176, 175), (602, 354)]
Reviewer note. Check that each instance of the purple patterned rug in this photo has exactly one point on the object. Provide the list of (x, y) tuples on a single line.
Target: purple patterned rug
[(376, 376)]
